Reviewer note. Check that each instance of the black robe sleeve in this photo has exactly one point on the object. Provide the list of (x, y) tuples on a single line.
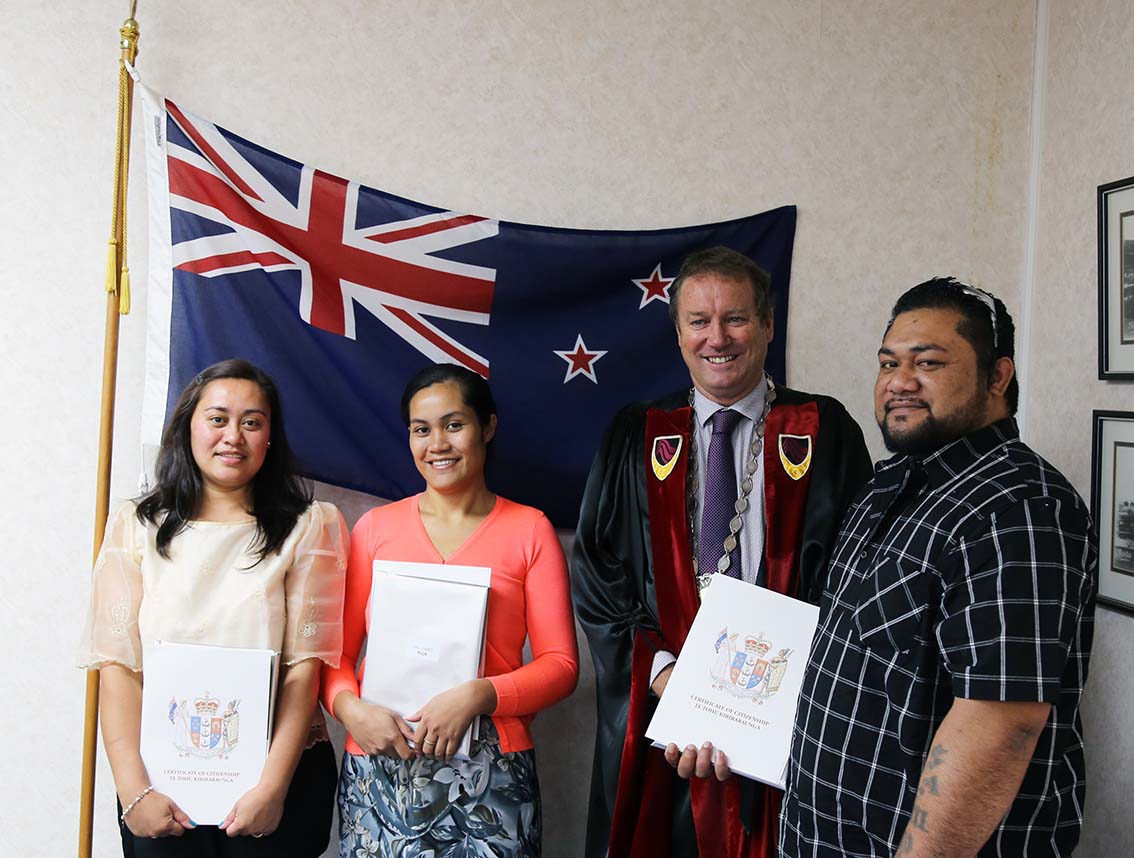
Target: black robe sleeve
[(612, 587)]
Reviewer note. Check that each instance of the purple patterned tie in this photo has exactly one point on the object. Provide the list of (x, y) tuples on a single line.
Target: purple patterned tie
[(720, 497)]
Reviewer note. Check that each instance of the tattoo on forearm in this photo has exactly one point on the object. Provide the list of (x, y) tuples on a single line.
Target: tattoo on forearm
[(936, 756), (919, 818)]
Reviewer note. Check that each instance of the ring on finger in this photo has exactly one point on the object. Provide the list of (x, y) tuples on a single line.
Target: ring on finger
[(261, 834)]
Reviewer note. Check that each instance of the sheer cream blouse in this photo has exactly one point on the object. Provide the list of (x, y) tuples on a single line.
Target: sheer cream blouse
[(212, 591)]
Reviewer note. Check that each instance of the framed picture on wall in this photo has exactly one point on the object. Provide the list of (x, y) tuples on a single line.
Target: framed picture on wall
[(1116, 280), (1112, 505)]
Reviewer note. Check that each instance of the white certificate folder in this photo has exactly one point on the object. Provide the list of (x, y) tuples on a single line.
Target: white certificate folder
[(738, 678), (206, 723), (427, 626)]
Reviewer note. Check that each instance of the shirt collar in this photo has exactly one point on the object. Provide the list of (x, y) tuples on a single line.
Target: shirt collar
[(948, 462), (750, 406)]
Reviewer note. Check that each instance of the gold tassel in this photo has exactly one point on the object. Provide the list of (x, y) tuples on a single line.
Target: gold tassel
[(112, 266), (124, 292)]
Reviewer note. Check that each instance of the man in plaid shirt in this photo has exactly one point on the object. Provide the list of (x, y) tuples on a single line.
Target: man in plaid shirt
[(940, 709)]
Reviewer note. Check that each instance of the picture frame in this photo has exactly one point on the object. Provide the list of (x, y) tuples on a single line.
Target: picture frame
[(1112, 505), (1116, 280)]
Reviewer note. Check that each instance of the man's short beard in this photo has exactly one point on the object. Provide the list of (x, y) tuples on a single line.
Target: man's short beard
[(933, 434)]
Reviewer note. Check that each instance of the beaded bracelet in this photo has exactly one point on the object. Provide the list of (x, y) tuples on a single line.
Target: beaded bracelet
[(137, 799)]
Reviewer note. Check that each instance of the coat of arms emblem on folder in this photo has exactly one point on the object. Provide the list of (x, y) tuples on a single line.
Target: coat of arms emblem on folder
[(202, 730), (744, 668)]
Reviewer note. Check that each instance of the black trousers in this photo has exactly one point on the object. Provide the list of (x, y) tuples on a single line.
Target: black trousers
[(304, 831)]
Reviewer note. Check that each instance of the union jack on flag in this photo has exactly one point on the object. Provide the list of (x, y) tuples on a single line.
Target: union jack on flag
[(341, 292), (388, 268)]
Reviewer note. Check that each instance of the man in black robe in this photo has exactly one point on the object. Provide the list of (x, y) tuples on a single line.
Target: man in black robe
[(799, 460)]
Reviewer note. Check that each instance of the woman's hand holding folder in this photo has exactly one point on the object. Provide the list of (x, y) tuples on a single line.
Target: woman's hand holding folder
[(158, 816), (377, 730), (257, 812), (443, 721)]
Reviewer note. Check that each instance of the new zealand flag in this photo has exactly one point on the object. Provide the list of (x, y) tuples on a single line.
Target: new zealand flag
[(342, 292)]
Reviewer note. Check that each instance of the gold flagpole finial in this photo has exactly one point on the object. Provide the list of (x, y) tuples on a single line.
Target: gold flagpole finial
[(129, 34)]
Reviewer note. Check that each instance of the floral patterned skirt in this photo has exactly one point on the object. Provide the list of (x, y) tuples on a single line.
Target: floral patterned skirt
[(484, 807)]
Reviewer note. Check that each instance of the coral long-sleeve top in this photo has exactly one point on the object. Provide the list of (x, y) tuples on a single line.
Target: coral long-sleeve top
[(529, 597)]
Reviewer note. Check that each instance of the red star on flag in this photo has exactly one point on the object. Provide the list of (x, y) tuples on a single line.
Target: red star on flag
[(653, 287), (580, 361)]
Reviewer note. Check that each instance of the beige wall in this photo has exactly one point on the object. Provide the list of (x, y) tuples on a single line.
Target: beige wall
[(1087, 131), (901, 130)]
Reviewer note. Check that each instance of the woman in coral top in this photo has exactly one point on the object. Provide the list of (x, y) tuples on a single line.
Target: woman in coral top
[(396, 801)]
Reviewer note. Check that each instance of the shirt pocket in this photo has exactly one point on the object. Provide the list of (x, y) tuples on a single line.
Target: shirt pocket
[(892, 608)]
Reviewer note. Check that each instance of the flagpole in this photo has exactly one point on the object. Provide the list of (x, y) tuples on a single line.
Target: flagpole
[(117, 304)]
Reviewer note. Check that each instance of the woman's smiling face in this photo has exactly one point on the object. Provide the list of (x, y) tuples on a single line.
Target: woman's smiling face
[(448, 444), (229, 433)]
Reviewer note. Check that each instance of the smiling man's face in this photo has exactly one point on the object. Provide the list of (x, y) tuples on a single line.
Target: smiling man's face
[(929, 390), (723, 339)]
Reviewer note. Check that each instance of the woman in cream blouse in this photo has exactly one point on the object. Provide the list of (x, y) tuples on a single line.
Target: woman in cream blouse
[(227, 549)]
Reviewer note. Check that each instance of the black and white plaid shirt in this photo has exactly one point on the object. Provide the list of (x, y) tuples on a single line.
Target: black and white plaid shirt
[(968, 573)]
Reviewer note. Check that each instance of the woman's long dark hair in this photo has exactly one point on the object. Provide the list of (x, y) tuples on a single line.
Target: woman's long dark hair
[(279, 497)]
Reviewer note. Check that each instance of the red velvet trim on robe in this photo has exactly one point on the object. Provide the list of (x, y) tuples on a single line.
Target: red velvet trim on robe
[(641, 824)]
